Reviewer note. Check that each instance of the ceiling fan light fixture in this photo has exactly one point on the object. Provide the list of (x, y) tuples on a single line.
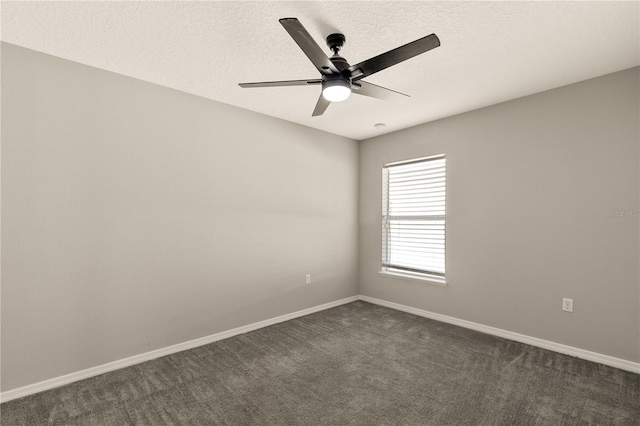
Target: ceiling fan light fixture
[(336, 74), (337, 90)]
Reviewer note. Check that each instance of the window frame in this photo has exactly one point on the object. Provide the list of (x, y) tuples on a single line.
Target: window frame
[(403, 272)]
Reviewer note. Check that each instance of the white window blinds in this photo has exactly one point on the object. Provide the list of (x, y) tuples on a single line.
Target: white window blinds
[(413, 217)]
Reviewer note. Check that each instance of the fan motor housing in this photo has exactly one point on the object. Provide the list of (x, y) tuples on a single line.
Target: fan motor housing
[(339, 62)]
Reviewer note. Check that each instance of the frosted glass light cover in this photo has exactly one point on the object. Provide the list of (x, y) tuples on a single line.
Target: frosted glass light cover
[(337, 93)]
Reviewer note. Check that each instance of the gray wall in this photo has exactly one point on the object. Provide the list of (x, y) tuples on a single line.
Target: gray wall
[(136, 217), (528, 185)]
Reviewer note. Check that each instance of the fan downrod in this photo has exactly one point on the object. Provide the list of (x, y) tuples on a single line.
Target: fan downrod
[(335, 42)]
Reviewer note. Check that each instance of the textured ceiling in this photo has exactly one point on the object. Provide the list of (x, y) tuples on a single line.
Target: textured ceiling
[(491, 51)]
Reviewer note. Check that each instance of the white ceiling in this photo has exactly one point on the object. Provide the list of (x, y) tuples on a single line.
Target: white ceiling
[(491, 51)]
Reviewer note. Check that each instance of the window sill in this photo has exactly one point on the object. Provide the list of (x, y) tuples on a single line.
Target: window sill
[(430, 280)]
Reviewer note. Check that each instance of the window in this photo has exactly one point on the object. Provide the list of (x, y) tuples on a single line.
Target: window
[(413, 218)]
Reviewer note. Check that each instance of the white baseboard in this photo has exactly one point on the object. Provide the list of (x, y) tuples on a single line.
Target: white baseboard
[(622, 364), (147, 356)]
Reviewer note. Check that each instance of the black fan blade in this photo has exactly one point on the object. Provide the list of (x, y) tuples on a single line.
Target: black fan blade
[(281, 83), (301, 36), (321, 106), (374, 91), (392, 57)]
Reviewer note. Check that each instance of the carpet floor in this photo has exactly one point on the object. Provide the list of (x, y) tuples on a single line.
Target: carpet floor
[(356, 364)]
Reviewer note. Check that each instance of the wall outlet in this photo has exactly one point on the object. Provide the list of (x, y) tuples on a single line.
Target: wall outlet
[(567, 305), (307, 279)]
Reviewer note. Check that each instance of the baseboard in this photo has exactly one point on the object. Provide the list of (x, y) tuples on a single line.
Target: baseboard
[(622, 364), (147, 356)]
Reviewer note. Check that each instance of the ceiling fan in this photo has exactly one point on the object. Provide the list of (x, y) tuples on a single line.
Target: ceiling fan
[(339, 79)]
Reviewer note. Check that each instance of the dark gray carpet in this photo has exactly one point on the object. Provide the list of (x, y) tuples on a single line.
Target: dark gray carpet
[(357, 364)]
